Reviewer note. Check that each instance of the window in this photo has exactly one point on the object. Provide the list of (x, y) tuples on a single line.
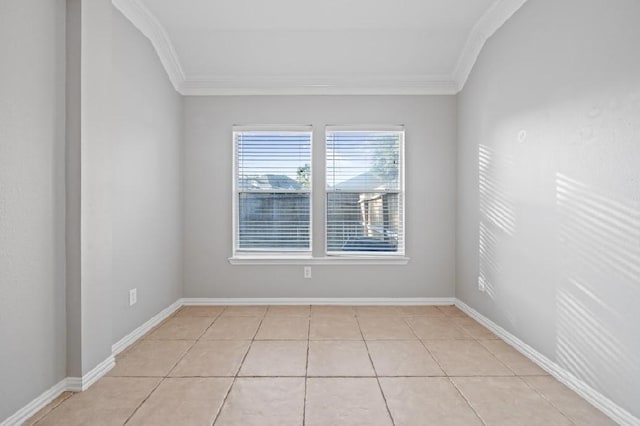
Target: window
[(364, 191), (272, 190)]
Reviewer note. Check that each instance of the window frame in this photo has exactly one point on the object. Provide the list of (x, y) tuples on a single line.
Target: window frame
[(267, 254), (374, 255), (286, 257)]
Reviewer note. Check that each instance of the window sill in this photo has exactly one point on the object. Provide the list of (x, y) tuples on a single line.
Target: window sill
[(327, 260)]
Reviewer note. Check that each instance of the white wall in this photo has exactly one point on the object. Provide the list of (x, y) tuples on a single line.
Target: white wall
[(32, 268), (430, 200), (549, 187), (147, 186)]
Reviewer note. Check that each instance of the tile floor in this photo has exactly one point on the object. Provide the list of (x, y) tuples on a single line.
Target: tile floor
[(322, 365)]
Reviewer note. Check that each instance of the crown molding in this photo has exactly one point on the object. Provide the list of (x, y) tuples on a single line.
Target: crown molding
[(319, 85), (146, 22), (150, 27), (499, 13)]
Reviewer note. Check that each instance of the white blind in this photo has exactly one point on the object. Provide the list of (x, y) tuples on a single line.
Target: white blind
[(273, 190), (365, 196)]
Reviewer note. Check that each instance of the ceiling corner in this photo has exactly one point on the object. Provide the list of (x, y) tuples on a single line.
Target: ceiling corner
[(499, 13), (150, 27)]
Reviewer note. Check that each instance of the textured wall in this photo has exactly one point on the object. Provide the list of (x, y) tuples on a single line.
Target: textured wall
[(147, 186), (549, 187), (32, 194), (430, 208)]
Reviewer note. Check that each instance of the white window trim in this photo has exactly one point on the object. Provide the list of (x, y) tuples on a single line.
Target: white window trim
[(307, 258), (266, 254), (381, 256)]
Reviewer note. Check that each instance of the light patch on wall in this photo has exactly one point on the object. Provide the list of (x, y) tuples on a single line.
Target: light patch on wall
[(497, 219), (599, 243)]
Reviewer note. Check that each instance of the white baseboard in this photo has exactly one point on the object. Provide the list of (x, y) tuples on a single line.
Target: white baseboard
[(36, 405), (79, 384), (189, 301), (595, 398), (132, 337)]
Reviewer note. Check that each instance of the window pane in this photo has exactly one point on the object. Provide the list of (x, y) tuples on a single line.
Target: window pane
[(269, 160), (273, 184), (363, 160), (364, 192), (274, 220), (363, 221)]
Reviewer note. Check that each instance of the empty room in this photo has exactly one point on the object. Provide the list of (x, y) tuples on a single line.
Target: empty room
[(338, 212)]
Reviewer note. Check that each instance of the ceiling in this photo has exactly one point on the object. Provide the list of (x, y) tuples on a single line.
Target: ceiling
[(220, 47)]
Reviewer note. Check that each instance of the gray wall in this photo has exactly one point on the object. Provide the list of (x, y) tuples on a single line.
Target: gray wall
[(549, 187), (147, 186), (32, 268), (430, 200)]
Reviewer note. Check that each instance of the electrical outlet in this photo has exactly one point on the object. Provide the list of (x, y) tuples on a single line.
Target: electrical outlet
[(133, 296), (481, 284), (307, 271)]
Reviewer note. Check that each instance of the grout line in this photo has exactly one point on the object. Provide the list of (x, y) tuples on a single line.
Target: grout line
[(235, 377), (306, 371), (175, 364), (544, 397), (466, 400), (384, 398)]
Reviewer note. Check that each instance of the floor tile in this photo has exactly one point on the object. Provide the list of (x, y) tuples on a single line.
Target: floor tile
[(276, 358), (289, 311), (109, 401), (151, 358), (473, 328), (264, 402), (436, 328), (183, 401), (466, 358), (332, 310), (244, 311), (508, 401), (568, 402), (513, 359), (339, 358), (232, 328), (421, 311), (385, 328), (48, 408), (334, 328), (283, 328), (402, 358), (426, 401), (345, 401), (212, 358), (452, 311), (181, 328), (377, 311), (199, 311)]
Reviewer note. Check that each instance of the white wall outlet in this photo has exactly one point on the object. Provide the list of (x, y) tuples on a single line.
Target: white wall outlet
[(307, 271), (481, 284), (133, 296)]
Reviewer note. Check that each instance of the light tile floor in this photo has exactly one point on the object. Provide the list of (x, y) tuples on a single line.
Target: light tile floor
[(322, 365)]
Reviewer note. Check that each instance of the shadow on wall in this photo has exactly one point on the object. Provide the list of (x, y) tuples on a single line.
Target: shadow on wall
[(497, 219), (599, 243)]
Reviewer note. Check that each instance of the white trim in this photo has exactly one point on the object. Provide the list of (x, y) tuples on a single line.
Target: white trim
[(319, 85), (71, 384), (132, 337), (380, 301), (327, 260), (203, 85), (80, 384), (37, 404), (499, 12), (595, 398), (150, 27)]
